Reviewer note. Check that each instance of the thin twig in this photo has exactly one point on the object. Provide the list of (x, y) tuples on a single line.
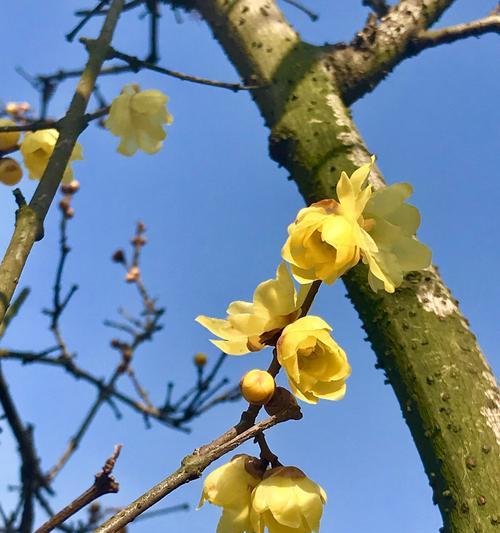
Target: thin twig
[(301, 7), (104, 483)]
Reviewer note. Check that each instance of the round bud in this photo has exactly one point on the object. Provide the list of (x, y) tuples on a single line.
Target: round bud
[(71, 188), (132, 275), (257, 386), (200, 359), (10, 171)]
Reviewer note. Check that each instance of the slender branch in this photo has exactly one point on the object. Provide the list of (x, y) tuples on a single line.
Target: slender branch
[(31, 476), (192, 466), (301, 7), (451, 34), (13, 310), (137, 64), (53, 124), (104, 483), (29, 221)]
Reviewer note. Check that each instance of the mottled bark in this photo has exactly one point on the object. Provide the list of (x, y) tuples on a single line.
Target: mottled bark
[(446, 390)]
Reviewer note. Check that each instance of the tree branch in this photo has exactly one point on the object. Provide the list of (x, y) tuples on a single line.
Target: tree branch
[(192, 466), (29, 220), (381, 45), (104, 483), (450, 34)]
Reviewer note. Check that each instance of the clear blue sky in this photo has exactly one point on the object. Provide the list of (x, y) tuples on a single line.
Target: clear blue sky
[(217, 209)]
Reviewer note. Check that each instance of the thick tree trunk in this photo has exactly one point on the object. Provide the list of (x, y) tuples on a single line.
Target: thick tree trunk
[(446, 390)]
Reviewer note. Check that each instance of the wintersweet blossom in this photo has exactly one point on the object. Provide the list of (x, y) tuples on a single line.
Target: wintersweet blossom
[(36, 149), (230, 487), (315, 365), (8, 139), (10, 171), (326, 239), (393, 229), (330, 237), (287, 501), (249, 325), (137, 117)]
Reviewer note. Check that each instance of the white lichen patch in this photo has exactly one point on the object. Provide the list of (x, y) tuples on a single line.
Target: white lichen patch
[(315, 121), (435, 297), (491, 411), (351, 139)]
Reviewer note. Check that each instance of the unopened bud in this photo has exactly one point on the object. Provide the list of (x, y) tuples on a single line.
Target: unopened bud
[(141, 227), (282, 399), (257, 386), (10, 171), (200, 359), (17, 108), (69, 213), (71, 188), (118, 256), (132, 275), (115, 343), (64, 205), (138, 240)]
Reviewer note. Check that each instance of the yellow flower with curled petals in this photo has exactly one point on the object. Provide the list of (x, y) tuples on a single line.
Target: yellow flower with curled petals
[(36, 149), (8, 139), (230, 487), (137, 117), (287, 501), (249, 325), (315, 365), (393, 227), (327, 238)]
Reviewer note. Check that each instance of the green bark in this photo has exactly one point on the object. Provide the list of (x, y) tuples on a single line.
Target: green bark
[(446, 390)]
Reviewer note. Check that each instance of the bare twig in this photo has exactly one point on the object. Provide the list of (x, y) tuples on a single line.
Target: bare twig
[(193, 465), (451, 34), (301, 7), (379, 7), (137, 64), (104, 483)]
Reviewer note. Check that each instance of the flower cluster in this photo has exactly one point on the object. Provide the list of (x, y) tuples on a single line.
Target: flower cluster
[(281, 499), (325, 241), (137, 117)]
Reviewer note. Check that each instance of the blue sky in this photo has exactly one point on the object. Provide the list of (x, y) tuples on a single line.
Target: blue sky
[(217, 208)]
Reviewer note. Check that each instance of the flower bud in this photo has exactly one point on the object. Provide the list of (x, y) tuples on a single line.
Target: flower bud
[(132, 275), (118, 257), (70, 188), (10, 171), (9, 139), (200, 359), (257, 386)]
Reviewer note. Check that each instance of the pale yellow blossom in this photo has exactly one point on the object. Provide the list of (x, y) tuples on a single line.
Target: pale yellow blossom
[(36, 149), (230, 487), (286, 501), (137, 117), (249, 325), (8, 139), (315, 365)]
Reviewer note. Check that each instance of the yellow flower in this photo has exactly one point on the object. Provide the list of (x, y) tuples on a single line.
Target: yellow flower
[(257, 386), (249, 326), (8, 140), (230, 487), (287, 501), (10, 171), (393, 228), (36, 149), (315, 365), (138, 118), (326, 239)]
